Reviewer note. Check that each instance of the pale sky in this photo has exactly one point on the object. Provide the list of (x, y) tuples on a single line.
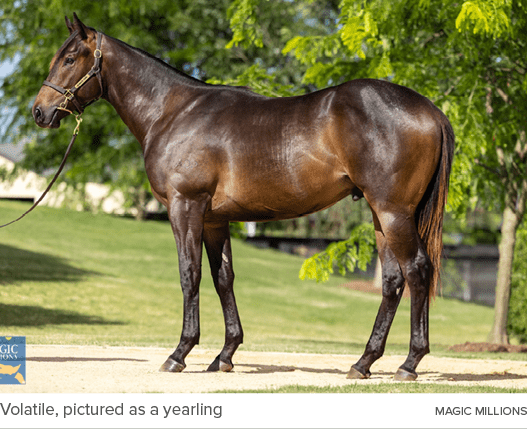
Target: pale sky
[(13, 150)]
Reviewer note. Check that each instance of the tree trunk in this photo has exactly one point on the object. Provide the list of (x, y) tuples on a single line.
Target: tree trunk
[(377, 279), (141, 205), (498, 333)]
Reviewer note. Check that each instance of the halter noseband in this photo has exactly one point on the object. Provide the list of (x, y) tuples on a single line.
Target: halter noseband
[(69, 95)]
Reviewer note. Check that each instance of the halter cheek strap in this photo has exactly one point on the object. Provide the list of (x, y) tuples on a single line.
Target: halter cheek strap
[(69, 95)]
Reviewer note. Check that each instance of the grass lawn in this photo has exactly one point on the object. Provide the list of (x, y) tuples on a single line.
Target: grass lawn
[(387, 388), (79, 278)]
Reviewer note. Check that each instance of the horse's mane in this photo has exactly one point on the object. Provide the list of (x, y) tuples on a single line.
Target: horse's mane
[(189, 80)]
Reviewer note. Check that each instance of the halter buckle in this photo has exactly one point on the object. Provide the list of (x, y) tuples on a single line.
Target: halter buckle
[(63, 106), (69, 95)]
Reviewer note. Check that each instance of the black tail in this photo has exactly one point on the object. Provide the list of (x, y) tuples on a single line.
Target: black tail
[(429, 215)]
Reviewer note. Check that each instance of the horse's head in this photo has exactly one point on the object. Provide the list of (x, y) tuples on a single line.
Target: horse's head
[(68, 86)]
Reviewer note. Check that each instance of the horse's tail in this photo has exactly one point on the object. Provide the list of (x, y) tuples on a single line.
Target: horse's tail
[(429, 214)]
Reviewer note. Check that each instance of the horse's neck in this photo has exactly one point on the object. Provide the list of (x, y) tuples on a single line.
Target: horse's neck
[(139, 86)]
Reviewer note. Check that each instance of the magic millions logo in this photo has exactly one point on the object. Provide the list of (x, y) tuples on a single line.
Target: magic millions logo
[(12, 360)]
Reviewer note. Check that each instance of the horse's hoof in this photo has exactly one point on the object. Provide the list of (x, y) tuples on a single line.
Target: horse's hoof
[(404, 376), (219, 365), (172, 366), (356, 374)]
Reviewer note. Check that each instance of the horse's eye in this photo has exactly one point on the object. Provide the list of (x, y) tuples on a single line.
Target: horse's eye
[(69, 61)]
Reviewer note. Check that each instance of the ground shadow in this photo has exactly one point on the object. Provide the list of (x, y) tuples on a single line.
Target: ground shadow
[(437, 376), (33, 316), (68, 359), (453, 377), (440, 377), (270, 369), (18, 265)]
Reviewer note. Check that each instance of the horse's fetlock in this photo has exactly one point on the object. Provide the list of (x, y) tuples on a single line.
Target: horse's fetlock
[(421, 348), (191, 340), (234, 338)]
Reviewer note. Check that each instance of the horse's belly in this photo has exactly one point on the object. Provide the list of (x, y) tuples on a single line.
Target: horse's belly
[(272, 200)]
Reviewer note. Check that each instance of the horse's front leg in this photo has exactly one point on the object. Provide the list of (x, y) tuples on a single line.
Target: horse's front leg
[(186, 217)]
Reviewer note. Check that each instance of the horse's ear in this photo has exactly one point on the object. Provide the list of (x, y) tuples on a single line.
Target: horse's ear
[(69, 25), (79, 26)]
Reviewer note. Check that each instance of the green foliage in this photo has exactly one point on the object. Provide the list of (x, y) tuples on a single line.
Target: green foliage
[(358, 28), (356, 251), (257, 79), (517, 320), (238, 230), (490, 18), (309, 48), (243, 17), (330, 57)]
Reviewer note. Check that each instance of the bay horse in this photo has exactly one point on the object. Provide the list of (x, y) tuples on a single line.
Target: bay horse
[(215, 154)]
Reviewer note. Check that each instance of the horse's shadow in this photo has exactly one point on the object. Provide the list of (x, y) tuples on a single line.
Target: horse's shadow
[(468, 377), (80, 359), (270, 369), (428, 375)]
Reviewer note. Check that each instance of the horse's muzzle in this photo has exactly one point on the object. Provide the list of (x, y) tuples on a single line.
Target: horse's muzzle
[(47, 118)]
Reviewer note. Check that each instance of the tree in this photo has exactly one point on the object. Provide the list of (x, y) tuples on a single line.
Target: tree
[(468, 57), (191, 35)]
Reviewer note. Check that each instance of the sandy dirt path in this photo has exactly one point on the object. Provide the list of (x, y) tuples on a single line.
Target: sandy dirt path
[(83, 369)]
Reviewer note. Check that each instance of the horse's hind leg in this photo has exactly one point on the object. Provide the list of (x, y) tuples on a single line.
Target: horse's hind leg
[(403, 239), (218, 245), (392, 290)]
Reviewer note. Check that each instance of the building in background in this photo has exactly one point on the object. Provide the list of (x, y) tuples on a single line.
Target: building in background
[(29, 186)]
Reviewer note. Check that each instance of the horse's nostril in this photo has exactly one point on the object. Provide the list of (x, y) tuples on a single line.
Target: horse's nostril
[(37, 113)]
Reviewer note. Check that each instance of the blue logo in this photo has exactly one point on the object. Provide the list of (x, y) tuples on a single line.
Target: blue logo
[(12, 360)]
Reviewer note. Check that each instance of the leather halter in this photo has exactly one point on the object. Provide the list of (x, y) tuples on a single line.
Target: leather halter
[(69, 95)]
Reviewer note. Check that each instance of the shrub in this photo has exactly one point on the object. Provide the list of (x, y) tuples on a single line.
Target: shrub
[(517, 319)]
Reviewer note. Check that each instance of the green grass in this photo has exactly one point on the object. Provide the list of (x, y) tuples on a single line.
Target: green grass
[(79, 278), (385, 388)]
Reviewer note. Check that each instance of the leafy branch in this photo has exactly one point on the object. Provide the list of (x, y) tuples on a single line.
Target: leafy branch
[(356, 251), (243, 18)]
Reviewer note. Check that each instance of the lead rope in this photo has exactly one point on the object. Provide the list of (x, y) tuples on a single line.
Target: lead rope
[(75, 133)]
